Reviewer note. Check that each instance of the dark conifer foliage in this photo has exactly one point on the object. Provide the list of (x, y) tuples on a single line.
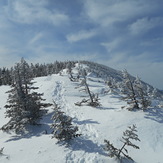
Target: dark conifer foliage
[(24, 105), (36, 70), (62, 126), (5, 76)]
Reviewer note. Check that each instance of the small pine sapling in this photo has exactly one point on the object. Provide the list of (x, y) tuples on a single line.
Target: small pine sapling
[(112, 84), (142, 94), (128, 135), (62, 126), (93, 99), (129, 91)]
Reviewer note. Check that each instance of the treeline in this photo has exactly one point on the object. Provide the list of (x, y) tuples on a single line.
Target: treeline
[(111, 76), (36, 70)]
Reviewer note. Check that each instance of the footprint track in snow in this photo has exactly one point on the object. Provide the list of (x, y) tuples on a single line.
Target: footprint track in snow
[(89, 133)]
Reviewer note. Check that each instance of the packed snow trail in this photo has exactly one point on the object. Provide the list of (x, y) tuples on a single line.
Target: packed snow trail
[(105, 122), (85, 148)]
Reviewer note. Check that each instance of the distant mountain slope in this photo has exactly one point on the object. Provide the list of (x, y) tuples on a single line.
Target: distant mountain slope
[(107, 72), (104, 71)]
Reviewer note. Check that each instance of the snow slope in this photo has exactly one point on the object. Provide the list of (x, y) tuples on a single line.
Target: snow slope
[(95, 124)]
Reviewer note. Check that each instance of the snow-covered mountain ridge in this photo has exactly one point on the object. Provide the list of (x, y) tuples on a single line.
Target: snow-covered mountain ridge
[(108, 72), (107, 121)]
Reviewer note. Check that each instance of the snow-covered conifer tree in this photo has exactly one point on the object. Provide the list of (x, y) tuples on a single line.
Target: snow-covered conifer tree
[(62, 126), (24, 105), (143, 97), (112, 84), (129, 91), (128, 136), (93, 98)]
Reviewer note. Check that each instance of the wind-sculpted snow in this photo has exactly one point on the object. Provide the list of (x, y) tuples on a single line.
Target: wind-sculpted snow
[(107, 121)]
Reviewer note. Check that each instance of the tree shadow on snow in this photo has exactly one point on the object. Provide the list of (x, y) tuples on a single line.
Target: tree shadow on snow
[(35, 130), (85, 122), (104, 108), (86, 145), (155, 114), (125, 160)]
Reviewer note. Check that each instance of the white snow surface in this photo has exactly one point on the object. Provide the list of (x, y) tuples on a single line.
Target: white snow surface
[(95, 124)]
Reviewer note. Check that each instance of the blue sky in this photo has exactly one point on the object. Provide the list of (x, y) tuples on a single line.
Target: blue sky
[(124, 34)]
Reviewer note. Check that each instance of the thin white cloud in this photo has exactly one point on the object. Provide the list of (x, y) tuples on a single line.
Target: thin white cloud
[(106, 13), (144, 25), (29, 12), (81, 35), (36, 38), (112, 45)]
